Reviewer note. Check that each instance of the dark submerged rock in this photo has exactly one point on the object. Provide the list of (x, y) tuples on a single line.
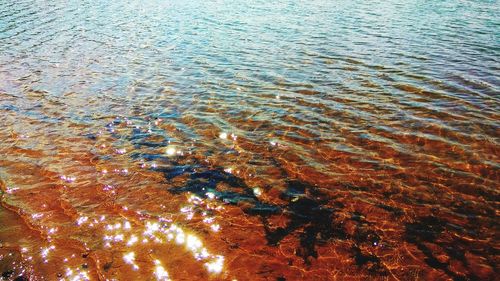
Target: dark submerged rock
[(7, 274)]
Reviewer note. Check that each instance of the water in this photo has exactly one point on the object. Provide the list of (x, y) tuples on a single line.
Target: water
[(249, 140)]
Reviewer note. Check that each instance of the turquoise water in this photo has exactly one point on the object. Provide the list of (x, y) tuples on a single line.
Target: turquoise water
[(339, 138)]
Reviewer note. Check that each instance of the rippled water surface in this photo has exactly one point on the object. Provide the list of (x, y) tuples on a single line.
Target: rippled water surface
[(249, 140)]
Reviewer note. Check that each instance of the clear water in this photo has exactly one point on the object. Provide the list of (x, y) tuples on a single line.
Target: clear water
[(249, 140)]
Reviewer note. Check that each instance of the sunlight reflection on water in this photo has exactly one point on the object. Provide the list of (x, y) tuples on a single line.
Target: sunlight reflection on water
[(249, 140)]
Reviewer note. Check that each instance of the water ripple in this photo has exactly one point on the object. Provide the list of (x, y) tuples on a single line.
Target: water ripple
[(299, 140)]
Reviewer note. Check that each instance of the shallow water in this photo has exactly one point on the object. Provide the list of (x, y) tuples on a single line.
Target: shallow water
[(249, 140)]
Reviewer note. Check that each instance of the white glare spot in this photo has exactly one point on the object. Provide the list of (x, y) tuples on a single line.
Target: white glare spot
[(208, 220), (11, 189), (203, 254), (36, 216), (215, 227), (68, 179), (216, 265), (133, 239), (69, 272), (180, 238), (129, 257), (223, 135), (171, 150), (81, 220), (118, 237), (257, 191), (45, 252), (151, 228), (161, 273), (193, 243)]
